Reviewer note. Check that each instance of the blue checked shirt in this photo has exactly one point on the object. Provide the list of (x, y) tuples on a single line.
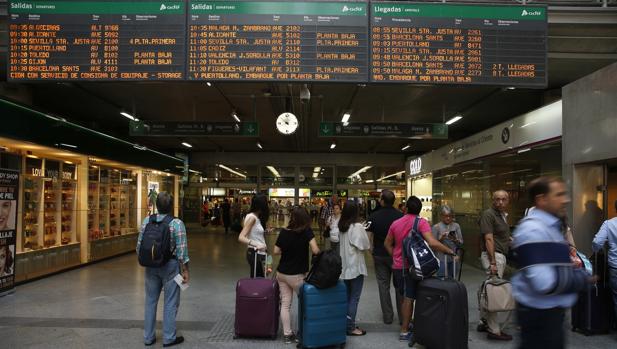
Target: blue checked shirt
[(607, 233), (178, 234)]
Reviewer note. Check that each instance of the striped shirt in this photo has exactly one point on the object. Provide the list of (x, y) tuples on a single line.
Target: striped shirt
[(178, 234)]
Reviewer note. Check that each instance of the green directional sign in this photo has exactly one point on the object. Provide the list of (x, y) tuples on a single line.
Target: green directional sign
[(193, 129), (394, 130)]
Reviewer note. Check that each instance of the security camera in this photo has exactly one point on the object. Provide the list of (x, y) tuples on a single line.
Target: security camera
[(305, 94)]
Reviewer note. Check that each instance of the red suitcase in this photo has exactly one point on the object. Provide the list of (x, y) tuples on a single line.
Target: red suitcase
[(257, 307)]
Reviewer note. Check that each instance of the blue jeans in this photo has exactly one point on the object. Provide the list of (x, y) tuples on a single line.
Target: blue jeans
[(613, 284), (158, 279), (354, 290)]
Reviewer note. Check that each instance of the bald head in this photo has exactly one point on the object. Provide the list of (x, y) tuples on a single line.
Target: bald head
[(501, 199)]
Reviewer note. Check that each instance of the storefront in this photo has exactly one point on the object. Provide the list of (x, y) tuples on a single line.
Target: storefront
[(464, 174), (73, 205), (590, 152)]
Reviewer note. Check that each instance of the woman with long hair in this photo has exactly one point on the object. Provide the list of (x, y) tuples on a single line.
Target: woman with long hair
[(292, 244), (354, 242), (6, 261), (253, 234)]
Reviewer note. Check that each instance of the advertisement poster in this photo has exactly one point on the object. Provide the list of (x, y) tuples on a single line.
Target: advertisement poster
[(9, 192)]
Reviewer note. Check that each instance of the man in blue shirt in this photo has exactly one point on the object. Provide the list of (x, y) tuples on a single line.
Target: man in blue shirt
[(547, 283), (608, 232)]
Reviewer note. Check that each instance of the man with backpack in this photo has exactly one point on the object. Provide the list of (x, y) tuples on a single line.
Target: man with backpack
[(162, 249), (404, 283)]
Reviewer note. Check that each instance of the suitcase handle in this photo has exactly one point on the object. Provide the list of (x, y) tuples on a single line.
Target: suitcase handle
[(445, 274)]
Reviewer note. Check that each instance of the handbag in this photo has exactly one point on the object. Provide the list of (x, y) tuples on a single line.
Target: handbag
[(495, 295), (326, 233)]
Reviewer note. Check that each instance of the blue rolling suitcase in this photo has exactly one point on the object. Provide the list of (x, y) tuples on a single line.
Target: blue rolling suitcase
[(322, 316)]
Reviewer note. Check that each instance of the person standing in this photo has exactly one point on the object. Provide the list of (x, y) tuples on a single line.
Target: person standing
[(292, 244), (608, 233), (226, 212), (353, 242), (547, 283), (162, 278), (326, 213), (378, 225), (253, 234), (496, 238), (448, 233), (333, 224), (405, 285)]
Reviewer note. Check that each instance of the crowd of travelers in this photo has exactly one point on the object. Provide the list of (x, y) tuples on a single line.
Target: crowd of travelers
[(549, 276)]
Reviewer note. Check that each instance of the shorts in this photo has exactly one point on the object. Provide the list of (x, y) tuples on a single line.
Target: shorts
[(405, 285)]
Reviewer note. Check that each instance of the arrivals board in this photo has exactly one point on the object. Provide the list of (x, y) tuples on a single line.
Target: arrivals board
[(428, 43), (97, 40), (278, 40)]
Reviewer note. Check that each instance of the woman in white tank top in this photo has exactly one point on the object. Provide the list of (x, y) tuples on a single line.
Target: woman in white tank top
[(253, 234)]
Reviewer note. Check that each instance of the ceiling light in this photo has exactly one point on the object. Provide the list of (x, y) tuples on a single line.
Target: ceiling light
[(235, 116), (524, 150), (392, 175), (316, 174), (510, 88), (259, 145), (406, 147), (139, 147), (333, 145), (32, 156), (454, 119), (194, 171), (68, 162), (274, 171), (187, 145), (128, 116), (317, 169), (305, 94), (231, 171), (369, 181), (209, 84), (346, 117), (363, 169)]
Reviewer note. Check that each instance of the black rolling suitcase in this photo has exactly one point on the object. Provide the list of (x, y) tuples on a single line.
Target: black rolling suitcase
[(592, 313), (441, 316)]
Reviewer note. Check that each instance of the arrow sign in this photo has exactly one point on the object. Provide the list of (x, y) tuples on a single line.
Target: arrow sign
[(394, 130), (193, 129)]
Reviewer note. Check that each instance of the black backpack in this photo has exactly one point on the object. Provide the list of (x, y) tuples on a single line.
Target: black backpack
[(325, 270), (155, 249)]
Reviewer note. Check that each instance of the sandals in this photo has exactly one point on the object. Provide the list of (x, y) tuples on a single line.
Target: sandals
[(352, 333)]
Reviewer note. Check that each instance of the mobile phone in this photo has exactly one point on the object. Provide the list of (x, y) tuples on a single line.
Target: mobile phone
[(452, 233)]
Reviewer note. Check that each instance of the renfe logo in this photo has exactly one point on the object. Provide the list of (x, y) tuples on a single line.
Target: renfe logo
[(169, 7), (352, 9), (415, 166), (531, 13)]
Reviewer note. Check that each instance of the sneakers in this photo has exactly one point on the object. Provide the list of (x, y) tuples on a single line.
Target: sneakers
[(290, 339), (179, 339), (499, 337), (405, 336)]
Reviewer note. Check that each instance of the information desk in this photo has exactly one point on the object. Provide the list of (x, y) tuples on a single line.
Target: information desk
[(97, 40), (278, 40), (458, 44)]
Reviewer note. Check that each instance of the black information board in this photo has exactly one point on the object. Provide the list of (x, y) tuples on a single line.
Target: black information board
[(431, 43), (389, 130), (97, 40), (278, 40), (174, 128)]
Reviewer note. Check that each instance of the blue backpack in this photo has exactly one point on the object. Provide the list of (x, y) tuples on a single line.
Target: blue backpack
[(418, 258), (155, 249)]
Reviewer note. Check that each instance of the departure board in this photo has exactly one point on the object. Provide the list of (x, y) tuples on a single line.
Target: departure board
[(97, 40), (458, 44), (278, 40)]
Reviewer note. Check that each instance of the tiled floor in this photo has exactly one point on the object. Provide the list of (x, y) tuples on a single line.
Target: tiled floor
[(101, 306)]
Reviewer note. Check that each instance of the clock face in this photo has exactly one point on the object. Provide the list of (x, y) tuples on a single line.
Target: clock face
[(287, 123)]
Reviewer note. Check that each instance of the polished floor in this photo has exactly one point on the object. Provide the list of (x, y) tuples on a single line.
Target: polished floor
[(101, 306)]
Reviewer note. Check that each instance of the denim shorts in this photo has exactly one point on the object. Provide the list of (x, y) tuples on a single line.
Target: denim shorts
[(405, 285)]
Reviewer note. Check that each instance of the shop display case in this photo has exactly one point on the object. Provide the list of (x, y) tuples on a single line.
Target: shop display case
[(50, 212), (31, 212), (68, 205)]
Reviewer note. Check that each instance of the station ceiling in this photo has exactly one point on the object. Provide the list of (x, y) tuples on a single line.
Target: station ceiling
[(580, 42)]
